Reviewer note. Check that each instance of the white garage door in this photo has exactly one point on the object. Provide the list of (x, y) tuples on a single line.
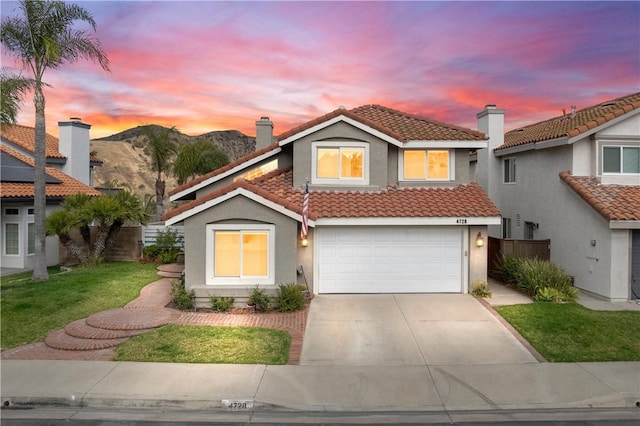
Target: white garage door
[(389, 259)]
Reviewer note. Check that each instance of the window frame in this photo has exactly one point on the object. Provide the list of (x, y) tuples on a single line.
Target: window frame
[(211, 279), (621, 147), (451, 168), (31, 238), (506, 228), (4, 239), (511, 178), (340, 145)]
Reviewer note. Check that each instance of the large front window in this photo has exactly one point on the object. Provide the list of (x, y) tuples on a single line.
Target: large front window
[(621, 159), (338, 163), (242, 254), (11, 239), (426, 165)]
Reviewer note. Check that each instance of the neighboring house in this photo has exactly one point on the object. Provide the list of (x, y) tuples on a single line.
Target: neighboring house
[(391, 209), (573, 179), (68, 172)]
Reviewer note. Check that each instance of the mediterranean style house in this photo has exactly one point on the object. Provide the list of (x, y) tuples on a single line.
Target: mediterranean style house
[(69, 171), (573, 179), (391, 209)]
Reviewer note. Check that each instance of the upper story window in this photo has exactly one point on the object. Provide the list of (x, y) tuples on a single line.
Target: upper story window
[(430, 164), (259, 171), (621, 159), (12, 212), (340, 163), (506, 227), (509, 170)]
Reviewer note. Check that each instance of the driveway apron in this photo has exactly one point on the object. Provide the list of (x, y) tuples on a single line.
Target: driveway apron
[(406, 329)]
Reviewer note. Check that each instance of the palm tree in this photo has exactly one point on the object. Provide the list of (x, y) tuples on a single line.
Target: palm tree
[(197, 158), (161, 148), (43, 38), (12, 90)]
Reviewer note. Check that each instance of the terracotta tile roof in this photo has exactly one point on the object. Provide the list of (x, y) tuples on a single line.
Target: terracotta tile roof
[(24, 137), (397, 124), (468, 200), (68, 185), (223, 169), (613, 202), (572, 125)]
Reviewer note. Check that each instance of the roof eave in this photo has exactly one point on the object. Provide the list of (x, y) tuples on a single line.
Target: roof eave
[(609, 123), (624, 224), (477, 144), (410, 221)]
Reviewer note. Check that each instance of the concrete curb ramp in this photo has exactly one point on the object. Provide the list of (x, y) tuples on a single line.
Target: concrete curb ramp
[(321, 388)]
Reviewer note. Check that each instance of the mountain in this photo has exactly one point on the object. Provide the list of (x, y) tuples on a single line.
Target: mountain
[(126, 164)]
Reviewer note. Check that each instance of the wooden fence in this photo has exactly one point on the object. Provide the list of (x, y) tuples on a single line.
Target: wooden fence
[(127, 245), (524, 248)]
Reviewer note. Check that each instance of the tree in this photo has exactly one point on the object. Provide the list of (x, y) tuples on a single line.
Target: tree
[(42, 37), (13, 88), (196, 159), (161, 148), (107, 212)]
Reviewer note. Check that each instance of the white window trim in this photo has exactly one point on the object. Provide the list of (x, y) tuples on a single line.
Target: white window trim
[(512, 169), (339, 181), (452, 169), (269, 279), (615, 145), (34, 237), (4, 239)]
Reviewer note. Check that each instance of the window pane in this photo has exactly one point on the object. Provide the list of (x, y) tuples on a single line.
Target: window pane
[(415, 164), (259, 171), (328, 165), (227, 254), (352, 159), (611, 160), (31, 238), (255, 254), (438, 164), (630, 160), (11, 239)]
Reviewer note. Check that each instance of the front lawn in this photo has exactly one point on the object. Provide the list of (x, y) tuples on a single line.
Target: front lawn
[(572, 333), (202, 344), (31, 310)]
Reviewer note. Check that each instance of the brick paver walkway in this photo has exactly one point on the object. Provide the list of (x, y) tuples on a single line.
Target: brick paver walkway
[(95, 338)]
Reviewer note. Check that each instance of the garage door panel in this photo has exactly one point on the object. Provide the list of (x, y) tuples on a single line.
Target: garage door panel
[(389, 260)]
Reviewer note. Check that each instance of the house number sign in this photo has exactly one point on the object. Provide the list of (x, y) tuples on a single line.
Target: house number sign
[(461, 221), (237, 404)]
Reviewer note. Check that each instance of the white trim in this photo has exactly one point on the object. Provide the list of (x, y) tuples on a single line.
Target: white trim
[(338, 119), (605, 125), (228, 173), (466, 256), (234, 193), (624, 224), (451, 144), (340, 181), (551, 143), (605, 143), (403, 221), (268, 279)]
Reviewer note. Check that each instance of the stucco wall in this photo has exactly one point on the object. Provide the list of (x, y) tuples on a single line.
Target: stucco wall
[(237, 210), (477, 255)]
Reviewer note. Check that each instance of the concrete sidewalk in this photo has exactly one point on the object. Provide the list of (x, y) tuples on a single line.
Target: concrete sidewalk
[(126, 385)]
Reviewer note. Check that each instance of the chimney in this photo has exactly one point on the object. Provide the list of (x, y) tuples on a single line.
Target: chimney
[(488, 166), (74, 144), (573, 111), (264, 133)]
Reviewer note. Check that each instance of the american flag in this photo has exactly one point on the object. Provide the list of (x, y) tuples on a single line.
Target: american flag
[(305, 213)]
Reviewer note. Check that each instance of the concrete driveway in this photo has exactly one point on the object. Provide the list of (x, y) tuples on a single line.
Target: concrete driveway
[(406, 329)]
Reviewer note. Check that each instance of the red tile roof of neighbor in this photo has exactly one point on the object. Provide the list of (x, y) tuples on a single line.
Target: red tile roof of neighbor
[(571, 125), (399, 125), (67, 185), (468, 200), (24, 137), (613, 202)]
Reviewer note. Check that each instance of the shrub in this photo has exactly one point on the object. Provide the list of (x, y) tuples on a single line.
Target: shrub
[(550, 294), (168, 239), (480, 289), (508, 265), (259, 299), (290, 298), (182, 298), (535, 274), (221, 303)]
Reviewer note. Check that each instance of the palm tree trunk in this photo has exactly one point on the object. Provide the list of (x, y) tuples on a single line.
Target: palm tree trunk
[(160, 187), (39, 197)]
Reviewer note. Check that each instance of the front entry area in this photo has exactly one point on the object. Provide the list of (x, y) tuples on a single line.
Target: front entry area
[(392, 259)]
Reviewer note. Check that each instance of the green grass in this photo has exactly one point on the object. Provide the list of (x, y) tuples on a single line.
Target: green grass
[(572, 333), (31, 310), (202, 344)]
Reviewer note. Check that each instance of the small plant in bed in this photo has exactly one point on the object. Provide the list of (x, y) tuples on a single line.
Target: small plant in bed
[(221, 303), (290, 298), (259, 299)]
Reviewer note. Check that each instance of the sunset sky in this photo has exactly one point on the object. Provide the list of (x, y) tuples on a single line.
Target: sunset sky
[(207, 65)]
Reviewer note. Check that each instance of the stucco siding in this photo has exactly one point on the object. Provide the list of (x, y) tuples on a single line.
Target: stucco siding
[(620, 265), (242, 211)]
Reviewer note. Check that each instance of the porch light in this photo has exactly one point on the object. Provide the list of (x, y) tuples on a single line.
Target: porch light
[(479, 240), (304, 242)]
